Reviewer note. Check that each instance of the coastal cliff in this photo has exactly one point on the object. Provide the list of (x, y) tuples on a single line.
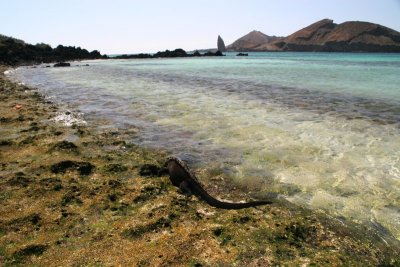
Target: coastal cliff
[(327, 36)]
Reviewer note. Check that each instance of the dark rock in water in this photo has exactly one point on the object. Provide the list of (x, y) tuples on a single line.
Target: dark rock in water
[(242, 55), (141, 55), (196, 54), (149, 170), (211, 54), (30, 250), (6, 143), (62, 64), (65, 145), (112, 197), (5, 120), (221, 44), (176, 53), (84, 168)]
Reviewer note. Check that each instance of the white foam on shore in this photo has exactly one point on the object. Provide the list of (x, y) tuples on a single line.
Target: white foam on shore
[(68, 119)]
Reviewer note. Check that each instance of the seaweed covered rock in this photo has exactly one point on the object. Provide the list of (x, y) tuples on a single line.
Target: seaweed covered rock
[(149, 170), (84, 168), (64, 146)]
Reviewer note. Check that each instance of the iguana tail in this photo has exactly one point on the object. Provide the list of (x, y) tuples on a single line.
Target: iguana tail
[(199, 191)]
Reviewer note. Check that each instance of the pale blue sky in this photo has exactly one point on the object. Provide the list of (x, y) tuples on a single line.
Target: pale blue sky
[(122, 26)]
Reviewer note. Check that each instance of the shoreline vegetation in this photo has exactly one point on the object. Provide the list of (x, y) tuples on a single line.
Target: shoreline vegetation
[(81, 196), (14, 52)]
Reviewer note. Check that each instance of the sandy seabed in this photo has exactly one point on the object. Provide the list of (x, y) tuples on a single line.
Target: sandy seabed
[(72, 195)]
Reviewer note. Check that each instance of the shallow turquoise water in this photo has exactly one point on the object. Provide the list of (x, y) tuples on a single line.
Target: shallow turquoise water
[(322, 129)]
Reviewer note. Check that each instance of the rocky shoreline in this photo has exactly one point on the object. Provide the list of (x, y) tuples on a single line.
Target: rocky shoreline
[(74, 195)]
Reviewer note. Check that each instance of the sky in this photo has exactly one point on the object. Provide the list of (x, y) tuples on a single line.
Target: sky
[(123, 26)]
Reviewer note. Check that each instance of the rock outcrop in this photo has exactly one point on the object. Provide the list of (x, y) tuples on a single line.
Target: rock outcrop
[(326, 36), (221, 44), (171, 54), (62, 64)]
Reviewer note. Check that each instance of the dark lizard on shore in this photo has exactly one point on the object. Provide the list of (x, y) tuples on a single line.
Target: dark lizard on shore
[(181, 176)]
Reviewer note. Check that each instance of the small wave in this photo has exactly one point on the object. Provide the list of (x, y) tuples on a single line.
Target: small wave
[(68, 119)]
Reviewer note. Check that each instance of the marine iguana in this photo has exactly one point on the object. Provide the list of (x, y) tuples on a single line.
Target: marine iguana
[(181, 176)]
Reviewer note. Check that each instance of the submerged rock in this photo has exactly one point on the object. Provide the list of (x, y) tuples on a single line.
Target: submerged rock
[(31, 250), (84, 168), (65, 146), (62, 64), (149, 170)]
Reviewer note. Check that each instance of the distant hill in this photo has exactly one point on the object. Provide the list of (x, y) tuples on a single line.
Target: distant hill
[(250, 41), (326, 36), (14, 51)]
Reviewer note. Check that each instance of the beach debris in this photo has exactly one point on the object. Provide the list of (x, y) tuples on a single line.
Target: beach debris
[(17, 107)]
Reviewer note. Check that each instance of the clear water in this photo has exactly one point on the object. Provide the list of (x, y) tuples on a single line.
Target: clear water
[(323, 129)]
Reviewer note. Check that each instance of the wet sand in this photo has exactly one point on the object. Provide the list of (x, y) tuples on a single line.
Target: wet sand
[(73, 195)]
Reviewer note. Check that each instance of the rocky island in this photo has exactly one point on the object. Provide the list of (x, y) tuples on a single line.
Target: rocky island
[(325, 36)]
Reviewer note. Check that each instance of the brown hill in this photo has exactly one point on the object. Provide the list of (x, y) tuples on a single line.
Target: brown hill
[(250, 41), (351, 36), (326, 36)]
